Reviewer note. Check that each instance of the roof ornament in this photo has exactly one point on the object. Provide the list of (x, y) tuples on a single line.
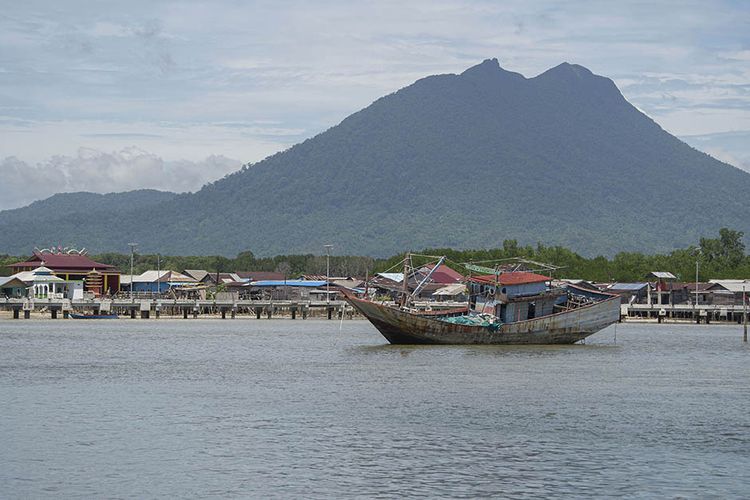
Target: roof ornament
[(60, 250)]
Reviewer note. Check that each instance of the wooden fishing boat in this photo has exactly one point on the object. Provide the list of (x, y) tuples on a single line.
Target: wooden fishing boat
[(93, 316), (555, 315)]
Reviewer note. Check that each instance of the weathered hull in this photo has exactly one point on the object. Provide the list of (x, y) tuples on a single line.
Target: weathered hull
[(401, 327)]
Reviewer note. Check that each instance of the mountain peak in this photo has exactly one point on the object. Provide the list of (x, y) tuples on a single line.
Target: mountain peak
[(567, 71), (490, 68)]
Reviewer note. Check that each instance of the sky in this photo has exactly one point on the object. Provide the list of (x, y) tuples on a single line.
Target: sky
[(112, 96)]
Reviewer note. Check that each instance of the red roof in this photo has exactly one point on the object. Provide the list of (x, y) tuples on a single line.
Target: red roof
[(57, 261), (443, 274), (514, 278)]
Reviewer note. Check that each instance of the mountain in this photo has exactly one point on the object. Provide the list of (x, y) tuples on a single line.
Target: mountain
[(71, 210), (83, 203), (452, 160)]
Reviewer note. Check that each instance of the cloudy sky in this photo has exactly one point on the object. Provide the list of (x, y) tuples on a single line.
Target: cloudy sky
[(109, 96)]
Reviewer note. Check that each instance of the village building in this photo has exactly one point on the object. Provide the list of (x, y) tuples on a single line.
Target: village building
[(675, 293), (631, 293), (74, 265), (41, 283), (662, 287), (12, 288), (156, 281), (386, 285), (729, 292), (289, 289)]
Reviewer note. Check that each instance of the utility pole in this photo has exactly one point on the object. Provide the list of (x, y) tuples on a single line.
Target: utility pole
[(132, 246), (328, 272), (158, 274), (744, 314), (696, 282)]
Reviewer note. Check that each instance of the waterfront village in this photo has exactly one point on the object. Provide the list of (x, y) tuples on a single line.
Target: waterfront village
[(54, 281)]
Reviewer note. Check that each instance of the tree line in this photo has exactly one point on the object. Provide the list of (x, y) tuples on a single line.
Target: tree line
[(723, 257)]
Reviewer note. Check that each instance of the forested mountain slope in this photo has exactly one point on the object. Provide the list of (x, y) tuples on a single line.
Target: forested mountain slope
[(463, 161)]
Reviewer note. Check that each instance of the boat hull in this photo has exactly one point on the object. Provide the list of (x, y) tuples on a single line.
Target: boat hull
[(402, 327), (93, 316)]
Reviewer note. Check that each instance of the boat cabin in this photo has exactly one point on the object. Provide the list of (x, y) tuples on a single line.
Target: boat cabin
[(515, 296)]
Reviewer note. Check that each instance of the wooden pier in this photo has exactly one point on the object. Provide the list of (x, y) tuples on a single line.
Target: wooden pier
[(185, 308), (702, 313)]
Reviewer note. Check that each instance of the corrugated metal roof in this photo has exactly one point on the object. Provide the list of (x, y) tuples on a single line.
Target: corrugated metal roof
[(304, 283), (513, 278), (663, 275), (450, 290), (397, 277), (627, 286), (198, 274), (734, 286), (260, 275), (443, 274), (11, 281), (151, 276)]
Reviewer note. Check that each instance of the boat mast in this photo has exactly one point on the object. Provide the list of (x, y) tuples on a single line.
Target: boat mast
[(426, 278), (405, 296)]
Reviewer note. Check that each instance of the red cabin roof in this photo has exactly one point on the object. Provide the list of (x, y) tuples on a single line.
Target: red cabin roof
[(61, 261), (513, 278), (443, 275)]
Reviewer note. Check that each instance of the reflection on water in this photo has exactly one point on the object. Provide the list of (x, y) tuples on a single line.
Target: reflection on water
[(200, 408)]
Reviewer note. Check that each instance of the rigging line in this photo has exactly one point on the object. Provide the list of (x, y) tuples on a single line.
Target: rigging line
[(430, 256)]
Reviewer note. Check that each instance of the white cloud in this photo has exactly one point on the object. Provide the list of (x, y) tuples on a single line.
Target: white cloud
[(100, 172)]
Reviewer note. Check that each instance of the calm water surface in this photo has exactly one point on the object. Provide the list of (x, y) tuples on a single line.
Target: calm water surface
[(238, 408)]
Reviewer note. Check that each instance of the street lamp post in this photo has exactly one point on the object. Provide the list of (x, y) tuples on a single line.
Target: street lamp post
[(132, 255), (328, 272)]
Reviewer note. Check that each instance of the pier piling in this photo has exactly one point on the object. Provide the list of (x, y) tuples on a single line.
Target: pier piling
[(16, 313), (26, 314)]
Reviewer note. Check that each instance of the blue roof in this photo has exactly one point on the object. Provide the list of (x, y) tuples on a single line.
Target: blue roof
[(306, 283)]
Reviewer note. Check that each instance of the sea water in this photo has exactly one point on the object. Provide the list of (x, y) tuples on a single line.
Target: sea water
[(321, 409)]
